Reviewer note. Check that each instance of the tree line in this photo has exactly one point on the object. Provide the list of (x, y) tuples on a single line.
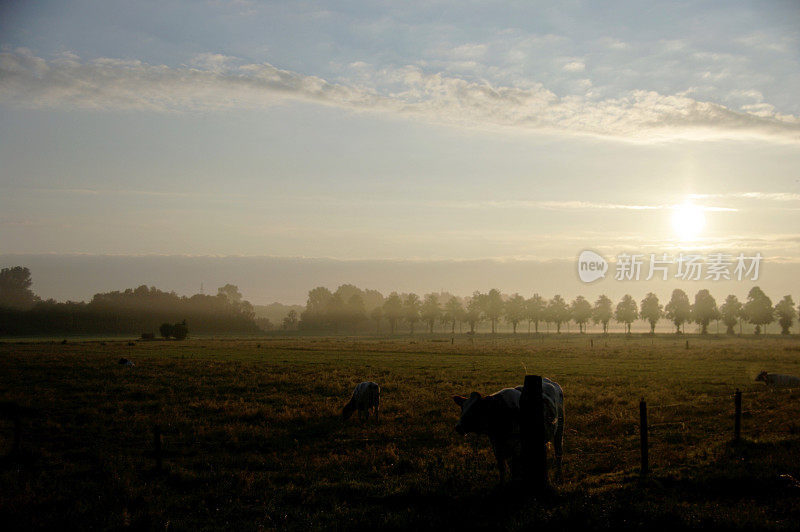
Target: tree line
[(350, 309), (132, 311)]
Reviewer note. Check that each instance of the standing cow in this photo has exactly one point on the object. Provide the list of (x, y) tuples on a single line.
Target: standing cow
[(498, 416), (366, 399)]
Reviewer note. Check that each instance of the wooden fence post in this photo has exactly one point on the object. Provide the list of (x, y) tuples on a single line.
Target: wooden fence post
[(687, 344), (157, 446), (534, 452), (643, 470), (737, 420), (591, 343)]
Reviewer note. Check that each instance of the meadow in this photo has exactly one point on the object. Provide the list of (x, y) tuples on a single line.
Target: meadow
[(252, 437)]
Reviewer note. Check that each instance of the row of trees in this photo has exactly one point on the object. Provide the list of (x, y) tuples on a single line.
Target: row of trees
[(131, 311), (350, 308)]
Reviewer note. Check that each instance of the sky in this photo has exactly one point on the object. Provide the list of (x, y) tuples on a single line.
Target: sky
[(401, 131)]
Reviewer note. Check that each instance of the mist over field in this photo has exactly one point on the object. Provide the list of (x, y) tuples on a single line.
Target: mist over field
[(264, 280)]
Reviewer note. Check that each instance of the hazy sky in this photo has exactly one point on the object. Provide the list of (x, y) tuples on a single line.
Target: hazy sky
[(399, 130)]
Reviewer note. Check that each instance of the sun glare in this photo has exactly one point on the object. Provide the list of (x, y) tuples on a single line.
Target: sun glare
[(688, 221)]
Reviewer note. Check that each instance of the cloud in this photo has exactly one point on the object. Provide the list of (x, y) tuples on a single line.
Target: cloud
[(574, 66), (216, 82)]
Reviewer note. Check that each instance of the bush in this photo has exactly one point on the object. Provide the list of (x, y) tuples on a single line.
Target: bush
[(180, 331), (166, 330)]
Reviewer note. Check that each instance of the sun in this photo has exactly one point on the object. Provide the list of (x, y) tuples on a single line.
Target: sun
[(688, 221)]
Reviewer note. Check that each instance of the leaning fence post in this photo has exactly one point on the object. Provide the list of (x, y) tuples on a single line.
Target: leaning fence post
[(532, 435), (643, 470), (157, 446), (737, 420)]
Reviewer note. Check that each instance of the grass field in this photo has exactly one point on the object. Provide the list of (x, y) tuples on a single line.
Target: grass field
[(253, 440)]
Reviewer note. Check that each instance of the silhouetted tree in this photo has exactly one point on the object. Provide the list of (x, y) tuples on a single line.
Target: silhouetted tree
[(730, 311), (474, 312), (393, 310), (492, 306), (15, 284), (558, 311), (651, 311), (758, 309), (411, 307), (453, 312), (430, 311), (704, 310), (678, 310), (377, 315), (535, 309), (290, 321), (515, 310), (627, 312), (786, 314), (581, 311), (602, 312)]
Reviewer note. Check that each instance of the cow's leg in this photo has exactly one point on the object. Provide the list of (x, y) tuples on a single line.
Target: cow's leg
[(558, 444), (499, 454)]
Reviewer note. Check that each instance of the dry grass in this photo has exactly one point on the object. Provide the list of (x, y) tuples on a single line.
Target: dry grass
[(253, 440)]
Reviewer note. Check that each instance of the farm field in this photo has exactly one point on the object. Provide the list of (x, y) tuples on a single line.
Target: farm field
[(253, 440)]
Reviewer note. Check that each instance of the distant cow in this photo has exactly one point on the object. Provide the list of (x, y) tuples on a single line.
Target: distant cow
[(124, 362), (498, 416), (366, 399), (778, 380)]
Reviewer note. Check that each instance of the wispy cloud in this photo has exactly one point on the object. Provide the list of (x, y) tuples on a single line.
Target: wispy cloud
[(767, 196), (215, 82)]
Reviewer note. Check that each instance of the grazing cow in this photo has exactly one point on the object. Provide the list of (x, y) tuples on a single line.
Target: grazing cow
[(498, 415), (125, 362), (778, 380), (366, 399)]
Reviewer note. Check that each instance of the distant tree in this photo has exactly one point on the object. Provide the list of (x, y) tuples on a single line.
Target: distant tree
[(180, 331), (758, 309), (336, 313), (704, 310), (627, 312), (314, 316), (534, 310), (231, 293), (354, 311), (453, 312), (15, 292), (377, 315), (493, 307), (474, 313), (651, 311), (581, 311), (730, 311), (290, 321), (678, 310), (515, 310), (602, 312), (412, 306), (393, 310), (558, 311), (165, 330), (786, 314), (430, 311)]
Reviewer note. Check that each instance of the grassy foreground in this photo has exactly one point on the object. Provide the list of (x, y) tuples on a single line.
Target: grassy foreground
[(252, 436)]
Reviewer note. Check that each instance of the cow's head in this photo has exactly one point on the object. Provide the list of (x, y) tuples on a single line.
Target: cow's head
[(474, 413), (762, 376)]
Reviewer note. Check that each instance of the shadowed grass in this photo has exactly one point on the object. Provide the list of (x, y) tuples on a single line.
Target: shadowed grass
[(253, 439)]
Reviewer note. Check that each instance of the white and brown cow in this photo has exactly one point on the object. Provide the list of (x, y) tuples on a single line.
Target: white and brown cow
[(498, 415), (778, 380), (366, 399)]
